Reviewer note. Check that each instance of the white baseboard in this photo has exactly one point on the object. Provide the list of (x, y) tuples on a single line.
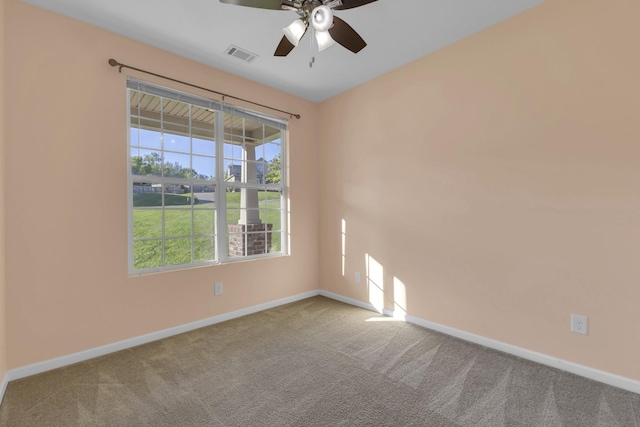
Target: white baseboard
[(574, 368), (47, 365), (3, 387), (350, 301)]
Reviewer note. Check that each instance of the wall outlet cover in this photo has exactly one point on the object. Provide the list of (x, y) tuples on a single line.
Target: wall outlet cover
[(579, 324), (217, 288)]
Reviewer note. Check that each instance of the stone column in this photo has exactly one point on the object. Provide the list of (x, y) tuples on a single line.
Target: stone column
[(249, 196), (252, 236)]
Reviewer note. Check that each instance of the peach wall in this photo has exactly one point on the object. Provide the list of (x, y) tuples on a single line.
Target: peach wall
[(67, 283), (495, 183), (3, 346)]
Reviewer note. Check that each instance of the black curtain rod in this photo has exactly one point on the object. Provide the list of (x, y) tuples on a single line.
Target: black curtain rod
[(120, 66)]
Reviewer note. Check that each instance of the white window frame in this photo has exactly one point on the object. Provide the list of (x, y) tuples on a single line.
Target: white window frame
[(220, 184)]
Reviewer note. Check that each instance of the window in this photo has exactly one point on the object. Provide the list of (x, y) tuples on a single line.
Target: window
[(206, 181)]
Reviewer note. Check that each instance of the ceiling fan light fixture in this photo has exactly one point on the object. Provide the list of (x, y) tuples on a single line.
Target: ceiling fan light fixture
[(324, 40), (322, 18), (295, 31)]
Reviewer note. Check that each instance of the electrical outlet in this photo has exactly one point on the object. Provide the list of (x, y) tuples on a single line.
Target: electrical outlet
[(358, 277), (579, 324), (217, 288)]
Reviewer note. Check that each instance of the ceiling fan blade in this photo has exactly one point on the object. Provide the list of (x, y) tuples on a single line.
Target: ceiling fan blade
[(262, 4), (350, 4), (284, 47), (342, 33)]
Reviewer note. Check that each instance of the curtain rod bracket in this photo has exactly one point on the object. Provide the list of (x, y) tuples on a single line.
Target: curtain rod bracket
[(120, 66)]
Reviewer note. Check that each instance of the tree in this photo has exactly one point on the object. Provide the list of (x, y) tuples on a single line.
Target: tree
[(274, 175), (151, 164)]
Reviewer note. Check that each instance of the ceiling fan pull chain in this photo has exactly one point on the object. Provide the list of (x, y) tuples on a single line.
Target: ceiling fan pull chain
[(311, 46)]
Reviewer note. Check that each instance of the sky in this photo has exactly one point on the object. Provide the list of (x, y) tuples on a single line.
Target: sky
[(177, 149)]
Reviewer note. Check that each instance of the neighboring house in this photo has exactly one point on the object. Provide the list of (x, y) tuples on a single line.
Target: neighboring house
[(234, 172), (262, 166)]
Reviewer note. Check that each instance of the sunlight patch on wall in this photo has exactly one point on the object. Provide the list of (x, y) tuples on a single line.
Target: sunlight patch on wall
[(344, 244), (375, 282), (289, 225), (399, 298)]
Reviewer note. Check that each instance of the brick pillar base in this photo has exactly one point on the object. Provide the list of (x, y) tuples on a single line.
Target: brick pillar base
[(252, 241)]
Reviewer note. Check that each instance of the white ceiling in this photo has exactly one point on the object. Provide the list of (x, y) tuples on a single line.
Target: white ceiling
[(397, 32)]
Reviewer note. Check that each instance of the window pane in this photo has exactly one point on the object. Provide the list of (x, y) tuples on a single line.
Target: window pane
[(177, 165), (253, 131), (204, 222), (262, 167), (204, 249), (147, 223), (150, 139), (134, 135), (271, 150), (233, 125), (177, 222), (271, 133), (252, 176), (145, 102), (147, 195), (177, 195), (147, 254), (204, 196), (235, 212), (203, 146), (202, 118), (233, 216), (276, 242), (177, 251), (233, 171), (256, 243), (272, 217), (232, 151), (134, 101), (235, 243), (254, 151), (273, 167), (262, 205), (146, 163), (203, 167), (179, 143), (175, 112), (269, 199)]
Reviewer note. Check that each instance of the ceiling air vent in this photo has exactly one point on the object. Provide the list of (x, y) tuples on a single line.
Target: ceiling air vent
[(242, 54)]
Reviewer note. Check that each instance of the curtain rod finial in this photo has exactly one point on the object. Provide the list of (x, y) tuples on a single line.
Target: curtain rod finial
[(115, 63)]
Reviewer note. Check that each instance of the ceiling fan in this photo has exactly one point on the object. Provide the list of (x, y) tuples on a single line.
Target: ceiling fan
[(317, 14)]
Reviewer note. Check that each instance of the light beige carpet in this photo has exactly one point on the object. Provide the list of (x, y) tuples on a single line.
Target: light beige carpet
[(316, 362)]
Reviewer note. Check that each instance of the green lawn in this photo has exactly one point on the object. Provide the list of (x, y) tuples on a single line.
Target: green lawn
[(147, 224), (269, 195), (155, 199)]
